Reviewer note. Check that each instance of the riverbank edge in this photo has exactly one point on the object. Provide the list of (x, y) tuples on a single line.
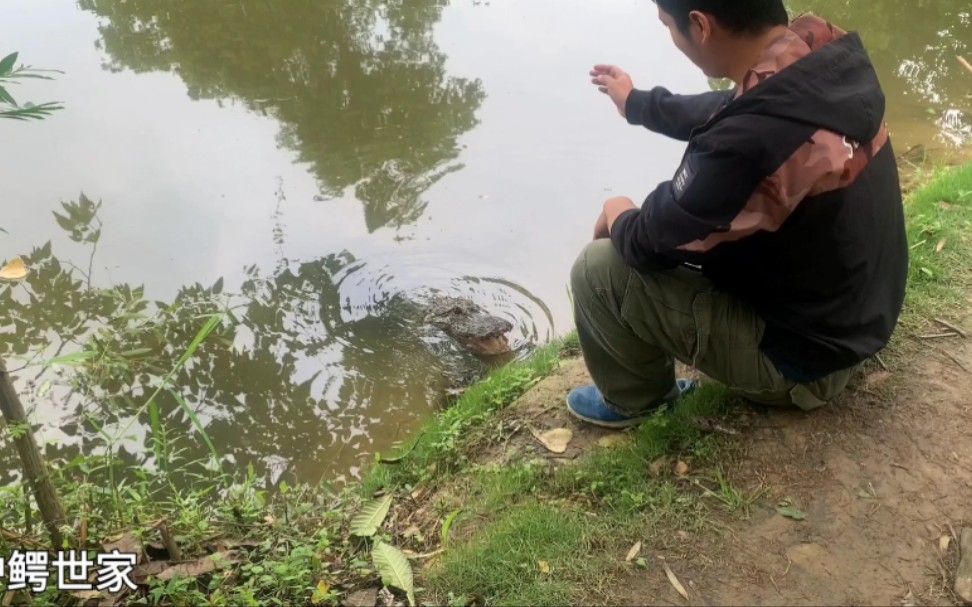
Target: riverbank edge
[(474, 530)]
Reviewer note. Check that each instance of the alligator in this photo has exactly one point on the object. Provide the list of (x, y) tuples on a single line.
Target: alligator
[(463, 320)]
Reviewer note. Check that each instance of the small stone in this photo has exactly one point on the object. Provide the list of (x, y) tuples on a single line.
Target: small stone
[(963, 575), (681, 468)]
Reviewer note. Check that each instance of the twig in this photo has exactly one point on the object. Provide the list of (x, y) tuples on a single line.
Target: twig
[(22, 540), (171, 546), (956, 361), (423, 556), (955, 537), (952, 327), (965, 64), (938, 335), (775, 586), (881, 362)]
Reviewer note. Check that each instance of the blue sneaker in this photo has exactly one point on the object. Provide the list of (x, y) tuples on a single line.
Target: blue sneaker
[(587, 404)]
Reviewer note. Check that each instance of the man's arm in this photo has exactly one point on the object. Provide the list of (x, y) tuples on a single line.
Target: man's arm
[(658, 109), (672, 115)]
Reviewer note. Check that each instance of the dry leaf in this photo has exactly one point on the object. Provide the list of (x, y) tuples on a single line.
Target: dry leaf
[(633, 553), (87, 595), (544, 567), (658, 466), (124, 543), (219, 560), (142, 573), (556, 440), (940, 245), (361, 598), (944, 542), (681, 468), (674, 581), (14, 271), (411, 531), (612, 440)]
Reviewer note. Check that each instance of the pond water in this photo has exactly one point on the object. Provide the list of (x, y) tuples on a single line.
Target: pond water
[(332, 162)]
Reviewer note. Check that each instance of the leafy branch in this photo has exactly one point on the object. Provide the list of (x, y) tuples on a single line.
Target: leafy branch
[(9, 108)]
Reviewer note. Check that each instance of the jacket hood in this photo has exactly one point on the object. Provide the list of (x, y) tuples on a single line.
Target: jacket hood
[(819, 75)]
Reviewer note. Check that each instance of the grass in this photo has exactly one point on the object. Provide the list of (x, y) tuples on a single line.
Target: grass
[(575, 519), (939, 218), (530, 555)]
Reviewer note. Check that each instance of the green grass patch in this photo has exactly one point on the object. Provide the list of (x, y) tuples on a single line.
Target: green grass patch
[(530, 554), (939, 218), (615, 494)]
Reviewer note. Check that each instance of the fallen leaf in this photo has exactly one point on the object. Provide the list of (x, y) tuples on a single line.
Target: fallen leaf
[(361, 598), (15, 270), (87, 595), (418, 492), (193, 569), (681, 468), (634, 552), (394, 568), (124, 543), (544, 567), (658, 466), (674, 581), (411, 531), (940, 245), (142, 573), (556, 440), (944, 542), (270, 520), (908, 600), (642, 562), (791, 512), (320, 592)]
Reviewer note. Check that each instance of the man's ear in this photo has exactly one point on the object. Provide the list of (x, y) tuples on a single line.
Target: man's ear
[(700, 27)]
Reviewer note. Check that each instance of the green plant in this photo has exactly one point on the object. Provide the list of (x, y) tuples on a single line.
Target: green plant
[(10, 74)]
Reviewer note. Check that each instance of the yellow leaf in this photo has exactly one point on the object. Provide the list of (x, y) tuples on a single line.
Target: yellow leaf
[(14, 271), (941, 245), (677, 585), (634, 552), (544, 567), (612, 440), (320, 592), (555, 441)]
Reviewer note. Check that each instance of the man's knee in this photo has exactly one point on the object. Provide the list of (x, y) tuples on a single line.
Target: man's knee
[(598, 268)]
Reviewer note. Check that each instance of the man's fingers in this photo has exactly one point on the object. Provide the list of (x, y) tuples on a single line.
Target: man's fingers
[(603, 89), (611, 70)]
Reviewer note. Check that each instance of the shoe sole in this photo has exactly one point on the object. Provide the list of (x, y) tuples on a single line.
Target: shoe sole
[(621, 425)]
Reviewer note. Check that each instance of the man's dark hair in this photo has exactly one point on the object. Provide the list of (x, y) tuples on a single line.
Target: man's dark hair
[(739, 16)]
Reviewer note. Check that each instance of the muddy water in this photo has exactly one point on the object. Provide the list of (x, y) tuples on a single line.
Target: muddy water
[(331, 163)]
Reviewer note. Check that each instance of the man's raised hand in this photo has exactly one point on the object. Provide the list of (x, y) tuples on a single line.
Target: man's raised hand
[(613, 82)]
